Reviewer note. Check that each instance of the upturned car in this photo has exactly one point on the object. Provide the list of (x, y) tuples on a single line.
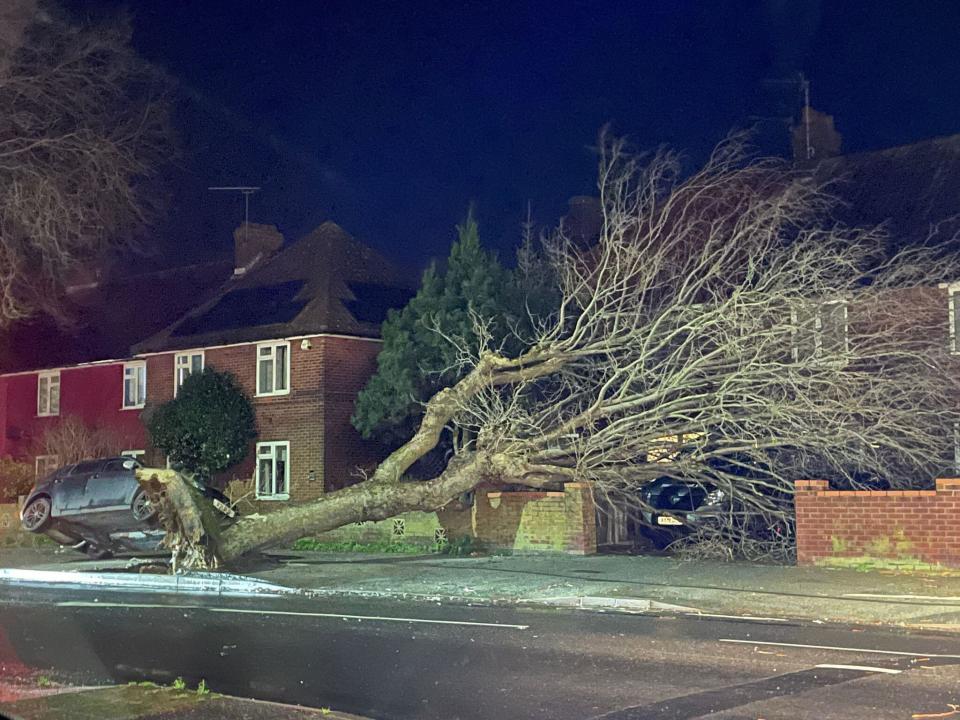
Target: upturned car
[(98, 507)]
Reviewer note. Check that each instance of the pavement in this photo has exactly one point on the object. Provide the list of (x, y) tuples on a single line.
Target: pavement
[(418, 660), (146, 702), (635, 582), (603, 582)]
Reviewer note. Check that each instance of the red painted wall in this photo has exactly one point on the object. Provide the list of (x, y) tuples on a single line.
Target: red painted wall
[(94, 394)]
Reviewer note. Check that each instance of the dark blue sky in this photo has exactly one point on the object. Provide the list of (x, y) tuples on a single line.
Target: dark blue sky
[(389, 118)]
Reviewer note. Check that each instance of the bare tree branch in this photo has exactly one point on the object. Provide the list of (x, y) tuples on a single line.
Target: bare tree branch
[(84, 125)]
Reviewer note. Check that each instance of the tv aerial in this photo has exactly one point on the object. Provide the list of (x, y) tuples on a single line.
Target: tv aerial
[(246, 191)]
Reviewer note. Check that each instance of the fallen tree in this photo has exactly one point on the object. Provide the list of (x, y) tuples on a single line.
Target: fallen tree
[(722, 330)]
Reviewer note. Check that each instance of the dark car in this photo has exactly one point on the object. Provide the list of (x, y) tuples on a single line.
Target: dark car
[(672, 507), (98, 507)]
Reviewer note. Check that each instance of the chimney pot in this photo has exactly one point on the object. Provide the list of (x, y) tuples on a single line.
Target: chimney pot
[(824, 140), (253, 242)]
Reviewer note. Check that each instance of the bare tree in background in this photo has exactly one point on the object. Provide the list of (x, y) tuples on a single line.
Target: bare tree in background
[(83, 125), (71, 440), (722, 330)]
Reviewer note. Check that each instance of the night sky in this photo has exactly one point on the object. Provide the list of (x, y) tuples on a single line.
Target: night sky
[(390, 118)]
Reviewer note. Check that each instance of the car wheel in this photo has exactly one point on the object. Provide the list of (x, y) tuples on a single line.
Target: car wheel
[(36, 515), (142, 508)]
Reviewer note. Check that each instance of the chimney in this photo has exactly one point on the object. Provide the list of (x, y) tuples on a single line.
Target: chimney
[(584, 219), (253, 242), (815, 138)]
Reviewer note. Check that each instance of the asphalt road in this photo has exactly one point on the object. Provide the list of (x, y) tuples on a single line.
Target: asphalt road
[(411, 660)]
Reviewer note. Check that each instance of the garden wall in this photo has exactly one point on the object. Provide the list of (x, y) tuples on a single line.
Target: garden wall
[(526, 521), (9, 519), (415, 528), (551, 522), (907, 527)]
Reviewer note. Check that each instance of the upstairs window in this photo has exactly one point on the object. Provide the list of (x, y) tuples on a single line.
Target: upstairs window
[(134, 385), (273, 470), (48, 393), (184, 365), (273, 369), (953, 309), (820, 331)]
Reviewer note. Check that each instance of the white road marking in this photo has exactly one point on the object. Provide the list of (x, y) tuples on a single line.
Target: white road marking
[(339, 616), (383, 618), (838, 648), (738, 617), (866, 668), (945, 598)]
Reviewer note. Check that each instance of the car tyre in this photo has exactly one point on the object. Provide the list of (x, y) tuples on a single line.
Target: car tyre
[(36, 515), (142, 508)]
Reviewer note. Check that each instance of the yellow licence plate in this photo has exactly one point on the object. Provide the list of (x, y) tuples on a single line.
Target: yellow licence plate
[(668, 520), (227, 510)]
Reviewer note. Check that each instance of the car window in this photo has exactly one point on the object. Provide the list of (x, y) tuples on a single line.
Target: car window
[(116, 465), (89, 466)]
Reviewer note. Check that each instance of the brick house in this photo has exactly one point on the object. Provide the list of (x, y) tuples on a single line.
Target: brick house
[(81, 366), (297, 324), (299, 330)]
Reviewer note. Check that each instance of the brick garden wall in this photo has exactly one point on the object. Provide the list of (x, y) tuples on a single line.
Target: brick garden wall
[(415, 528), (537, 521), (563, 522), (903, 525)]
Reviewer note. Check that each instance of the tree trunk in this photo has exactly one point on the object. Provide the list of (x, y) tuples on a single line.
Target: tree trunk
[(194, 536), (365, 501)]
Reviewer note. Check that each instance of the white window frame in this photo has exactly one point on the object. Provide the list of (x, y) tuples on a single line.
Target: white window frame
[(49, 376), (956, 447), (818, 329), (952, 309), (134, 365), (272, 445), (49, 462), (272, 358), (177, 382)]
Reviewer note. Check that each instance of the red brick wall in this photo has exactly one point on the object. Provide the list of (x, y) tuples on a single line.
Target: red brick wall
[(93, 394), (537, 521), (348, 364), (314, 417), (898, 524)]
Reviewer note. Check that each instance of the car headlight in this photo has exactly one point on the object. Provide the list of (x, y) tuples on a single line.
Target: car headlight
[(714, 497)]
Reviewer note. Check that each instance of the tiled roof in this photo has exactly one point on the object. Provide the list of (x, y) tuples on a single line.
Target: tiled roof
[(103, 319), (326, 282), (908, 189)]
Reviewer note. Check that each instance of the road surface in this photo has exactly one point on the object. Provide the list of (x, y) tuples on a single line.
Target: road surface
[(414, 660)]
